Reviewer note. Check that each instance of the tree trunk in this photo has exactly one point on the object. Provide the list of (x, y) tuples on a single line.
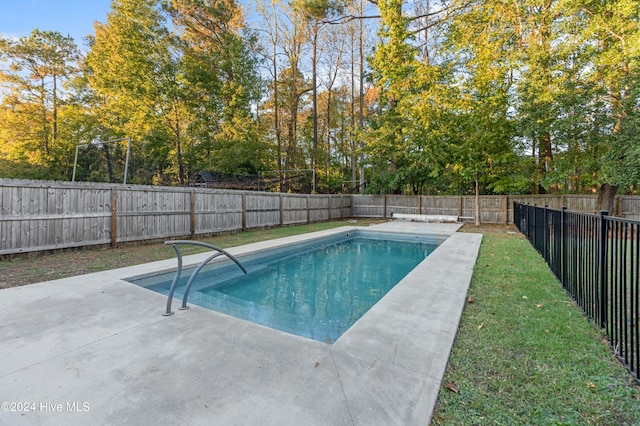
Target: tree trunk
[(328, 159), (548, 160), (361, 103), (314, 83), (45, 124), (606, 198), (352, 134), (178, 142), (276, 112), (54, 122)]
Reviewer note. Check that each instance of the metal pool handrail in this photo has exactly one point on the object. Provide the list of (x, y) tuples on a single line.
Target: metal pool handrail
[(175, 244)]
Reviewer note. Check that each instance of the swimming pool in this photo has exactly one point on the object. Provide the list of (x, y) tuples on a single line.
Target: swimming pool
[(316, 289)]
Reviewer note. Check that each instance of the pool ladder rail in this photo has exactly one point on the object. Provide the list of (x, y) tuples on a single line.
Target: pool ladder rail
[(176, 246)]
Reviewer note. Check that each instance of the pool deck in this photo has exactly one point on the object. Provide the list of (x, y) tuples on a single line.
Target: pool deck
[(94, 349)]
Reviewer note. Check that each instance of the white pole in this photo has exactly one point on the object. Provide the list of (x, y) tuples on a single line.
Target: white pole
[(75, 162)]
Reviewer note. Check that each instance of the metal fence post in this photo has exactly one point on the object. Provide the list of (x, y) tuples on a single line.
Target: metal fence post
[(535, 222), (602, 266), (530, 219), (563, 246), (545, 235)]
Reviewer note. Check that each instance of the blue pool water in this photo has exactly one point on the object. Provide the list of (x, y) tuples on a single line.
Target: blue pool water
[(315, 292)]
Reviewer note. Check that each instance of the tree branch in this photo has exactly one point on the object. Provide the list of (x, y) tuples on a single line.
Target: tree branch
[(348, 18)]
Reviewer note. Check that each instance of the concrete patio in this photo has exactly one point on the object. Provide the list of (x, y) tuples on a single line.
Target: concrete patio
[(95, 349)]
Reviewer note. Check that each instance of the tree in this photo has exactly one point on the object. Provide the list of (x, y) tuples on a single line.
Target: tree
[(315, 12), (36, 67), (222, 83), (534, 23), (394, 65), (271, 22), (334, 45), (134, 68), (614, 31)]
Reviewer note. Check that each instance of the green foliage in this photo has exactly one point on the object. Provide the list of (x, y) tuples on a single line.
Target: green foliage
[(622, 161), (555, 81), (493, 96), (221, 84), (613, 28), (133, 69), (183, 95), (393, 62), (33, 133), (448, 120), (393, 65)]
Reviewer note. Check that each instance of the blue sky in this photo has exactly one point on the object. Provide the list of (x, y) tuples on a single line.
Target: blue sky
[(69, 17)]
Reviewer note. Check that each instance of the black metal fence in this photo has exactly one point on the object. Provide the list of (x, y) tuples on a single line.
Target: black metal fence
[(596, 257)]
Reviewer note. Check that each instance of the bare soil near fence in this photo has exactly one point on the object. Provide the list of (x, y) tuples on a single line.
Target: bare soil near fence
[(489, 229), (33, 268)]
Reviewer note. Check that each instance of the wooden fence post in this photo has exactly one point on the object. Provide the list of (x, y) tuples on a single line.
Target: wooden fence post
[(384, 207), (505, 209), (280, 200), (308, 210), (244, 211), (114, 216), (619, 206), (192, 206)]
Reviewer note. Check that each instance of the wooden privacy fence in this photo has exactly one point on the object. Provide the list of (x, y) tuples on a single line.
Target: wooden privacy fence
[(40, 216), (45, 215), (493, 208)]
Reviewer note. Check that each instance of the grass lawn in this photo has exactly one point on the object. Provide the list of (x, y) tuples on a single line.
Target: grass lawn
[(526, 354), (29, 269)]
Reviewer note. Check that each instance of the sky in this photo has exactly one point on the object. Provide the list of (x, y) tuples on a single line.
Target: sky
[(69, 17)]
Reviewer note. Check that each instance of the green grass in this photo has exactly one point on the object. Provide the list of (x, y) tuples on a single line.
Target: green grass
[(525, 354), (28, 269)]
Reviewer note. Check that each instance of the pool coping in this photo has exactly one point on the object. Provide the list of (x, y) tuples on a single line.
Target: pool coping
[(95, 348)]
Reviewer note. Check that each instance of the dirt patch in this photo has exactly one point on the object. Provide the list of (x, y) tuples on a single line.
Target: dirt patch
[(489, 229), (31, 268)]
